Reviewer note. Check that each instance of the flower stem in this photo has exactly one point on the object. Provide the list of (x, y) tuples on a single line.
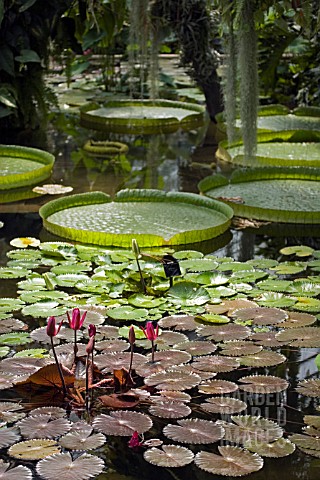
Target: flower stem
[(152, 351), (64, 388)]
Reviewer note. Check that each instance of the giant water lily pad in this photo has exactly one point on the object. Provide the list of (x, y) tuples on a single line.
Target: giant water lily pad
[(142, 116), (153, 217), (274, 153), (21, 166), (272, 194)]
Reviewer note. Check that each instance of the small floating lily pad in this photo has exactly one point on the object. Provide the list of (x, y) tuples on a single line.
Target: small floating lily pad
[(273, 194), (153, 217), (21, 166), (142, 116)]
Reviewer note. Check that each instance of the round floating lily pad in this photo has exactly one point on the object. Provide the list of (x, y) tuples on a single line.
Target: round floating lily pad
[(273, 194), (142, 116), (21, 166), (274, 153), (153, 217)]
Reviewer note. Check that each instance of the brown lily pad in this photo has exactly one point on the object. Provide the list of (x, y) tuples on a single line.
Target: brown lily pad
[(261, 315), (280, 448), (42, 426), (169, 456), (265, 358), (263, 384), (170, 380), (122, 423), (170, 409), (299, 319), (82, 440), (194, 431), (196, 348), (62, 465), (310, 388), (179, 322), (225, 405), (239, 348), (308, 337), (224, 333), (8, 436), (232, 461), (247, 428), (216, 363), (16, 473), (218, 387)]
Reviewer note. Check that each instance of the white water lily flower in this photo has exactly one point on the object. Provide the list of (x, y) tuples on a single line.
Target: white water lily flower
[(24, 242)]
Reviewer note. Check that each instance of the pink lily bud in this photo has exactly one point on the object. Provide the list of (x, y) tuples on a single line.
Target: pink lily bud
[(150, 332), (76, 321), (134, 441), (90, 346), (52, 329), (92, 330), (132, 335)]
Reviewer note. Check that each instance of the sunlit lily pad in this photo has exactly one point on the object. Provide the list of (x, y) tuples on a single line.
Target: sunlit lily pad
[(310, 387), (170, 409), (8, 436), (13, 272), (122, 423), (263, 384), (170, 380), (307, 304), (279, 448), (15, 338), (274, 285), (42, 426), (261, 315), (82, 440), (224, 405), (44, 309), (299, 250), (194, 431), (305, 441), (19, 472), (126, 312), (94, 218), (179, 322), (264, 358), (188, 293), (52, 189), (246, 428), (217, 387), (10, 304), (145, 301), (34, 449), (33, 353), (169, 456), (62, 465), (233, 461), (274, 300)]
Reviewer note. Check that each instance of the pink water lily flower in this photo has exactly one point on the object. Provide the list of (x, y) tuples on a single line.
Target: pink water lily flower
[(150, 332), (134, 441), (76, 321), (52, 328)]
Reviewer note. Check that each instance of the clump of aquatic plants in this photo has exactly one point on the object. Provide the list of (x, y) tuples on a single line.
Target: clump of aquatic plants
[(97, 358)]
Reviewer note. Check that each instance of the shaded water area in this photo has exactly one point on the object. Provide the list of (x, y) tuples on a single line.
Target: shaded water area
[(173, 162)]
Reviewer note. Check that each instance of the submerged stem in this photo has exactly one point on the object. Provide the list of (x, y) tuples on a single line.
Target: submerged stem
[(64, 388)]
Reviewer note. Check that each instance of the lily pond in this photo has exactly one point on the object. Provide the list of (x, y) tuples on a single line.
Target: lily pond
[(114, 368)]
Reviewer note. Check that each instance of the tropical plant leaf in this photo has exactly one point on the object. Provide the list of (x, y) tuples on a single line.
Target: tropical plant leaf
[(169, 456), (49, 376), (61, 465), (170, 409), (233, 461), (34, 449)]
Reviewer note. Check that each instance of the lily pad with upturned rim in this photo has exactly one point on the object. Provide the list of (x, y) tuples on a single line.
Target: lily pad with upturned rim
[(22, 166), (272, 194), (142, 116), (153, 217)]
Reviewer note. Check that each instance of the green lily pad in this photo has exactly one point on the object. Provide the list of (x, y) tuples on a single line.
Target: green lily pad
[(212, 278), (93, 218), (288, 268), (15, 338), (299, 250), (188, 293), (22, 166), (44, 309), (14, 272), (274, 285), (10, 304), (212, 318), (124, 332), (32, 353), (274, 153), (71, 279), (307, 304), (145, 301), (142, 116), (36, 296), (4, 351), (126, 312), (67, 267), (275, 299), (274, 194)]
